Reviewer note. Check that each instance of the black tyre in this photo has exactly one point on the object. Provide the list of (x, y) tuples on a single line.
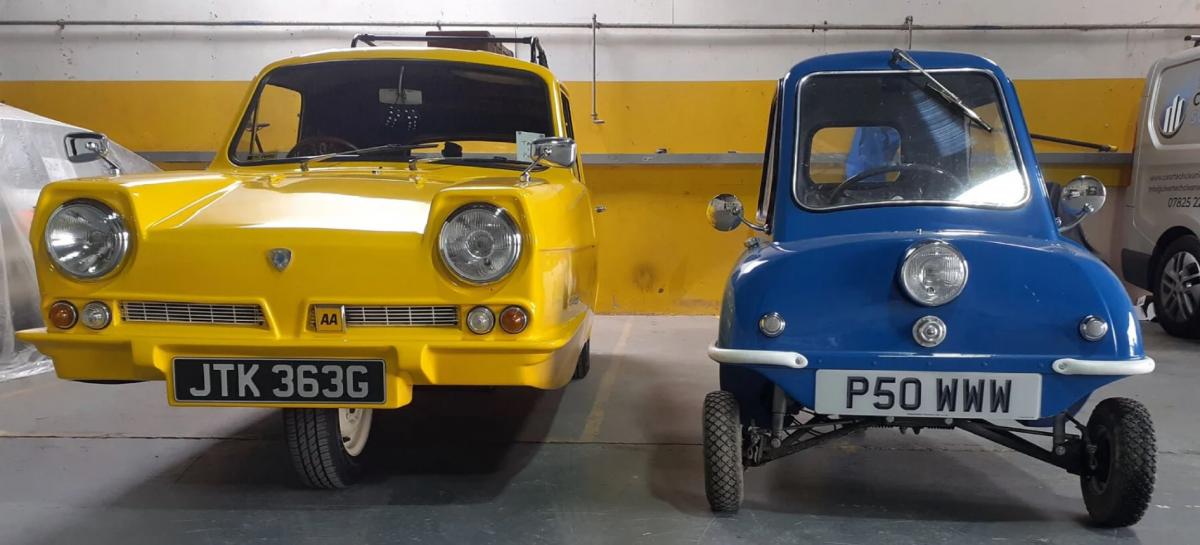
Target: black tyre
[(326, 445), (584, 363), (1118, 477), (723, 470), (1177, 288)]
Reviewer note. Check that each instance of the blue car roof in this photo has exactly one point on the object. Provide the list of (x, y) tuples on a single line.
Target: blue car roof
[(882, 60), (792, 222)]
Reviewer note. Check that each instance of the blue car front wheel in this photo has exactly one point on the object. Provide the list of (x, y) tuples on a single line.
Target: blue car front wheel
[(723, 469), (1119, 463)]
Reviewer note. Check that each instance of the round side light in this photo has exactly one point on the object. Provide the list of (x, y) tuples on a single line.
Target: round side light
[(480, 320), (1092, 328), (63, 315), (96, 315), (771, 324), (514, 319)]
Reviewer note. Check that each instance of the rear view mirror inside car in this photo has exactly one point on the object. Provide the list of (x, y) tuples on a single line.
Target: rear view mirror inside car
[(407, 97)]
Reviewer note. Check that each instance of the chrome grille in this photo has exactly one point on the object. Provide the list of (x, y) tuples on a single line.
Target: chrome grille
[(191, 313), (396, 316)]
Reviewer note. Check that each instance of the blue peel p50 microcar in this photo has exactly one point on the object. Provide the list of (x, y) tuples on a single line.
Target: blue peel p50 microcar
[(914, 275)]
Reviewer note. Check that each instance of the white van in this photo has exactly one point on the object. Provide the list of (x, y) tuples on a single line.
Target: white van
[(1161, 252)]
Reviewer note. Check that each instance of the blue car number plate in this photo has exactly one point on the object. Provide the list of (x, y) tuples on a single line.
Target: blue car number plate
[(1015, 396)]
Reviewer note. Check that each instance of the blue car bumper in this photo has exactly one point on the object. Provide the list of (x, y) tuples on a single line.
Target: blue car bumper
[(1065, 382)]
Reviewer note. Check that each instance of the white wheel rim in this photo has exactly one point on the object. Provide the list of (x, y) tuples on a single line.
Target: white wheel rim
[(354, 425)]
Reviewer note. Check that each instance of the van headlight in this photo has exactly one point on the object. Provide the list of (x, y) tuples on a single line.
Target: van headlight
[(86, 239), (933, 273), (480, 243)]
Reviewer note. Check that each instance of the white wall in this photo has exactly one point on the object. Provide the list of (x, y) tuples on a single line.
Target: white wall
[(190, 53)]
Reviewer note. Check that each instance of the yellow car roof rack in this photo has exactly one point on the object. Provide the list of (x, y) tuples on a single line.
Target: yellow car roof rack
[(471, 40)]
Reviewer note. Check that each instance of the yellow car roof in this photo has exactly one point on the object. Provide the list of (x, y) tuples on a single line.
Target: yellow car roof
[(428, 53)]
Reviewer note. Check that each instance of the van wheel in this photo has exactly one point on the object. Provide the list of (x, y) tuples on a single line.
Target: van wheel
[(1177, 288), (326, 445), (584, 363), (723, 471), (1119, 465)]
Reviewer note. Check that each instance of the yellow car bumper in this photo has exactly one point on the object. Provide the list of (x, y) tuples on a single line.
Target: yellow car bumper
[(410, 358)]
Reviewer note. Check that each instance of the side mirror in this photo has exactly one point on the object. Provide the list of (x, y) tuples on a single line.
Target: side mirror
[(555, 151), (725, 212), (1080, 198), (85, 147)]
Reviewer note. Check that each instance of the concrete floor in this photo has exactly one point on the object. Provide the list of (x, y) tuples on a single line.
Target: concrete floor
[(612, 459)]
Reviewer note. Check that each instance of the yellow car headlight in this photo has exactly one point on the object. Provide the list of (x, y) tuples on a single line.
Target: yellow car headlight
[(480, 243), (86, 239)]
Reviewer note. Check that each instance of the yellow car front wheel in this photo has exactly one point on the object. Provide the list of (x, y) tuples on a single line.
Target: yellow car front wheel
[(326, 445)]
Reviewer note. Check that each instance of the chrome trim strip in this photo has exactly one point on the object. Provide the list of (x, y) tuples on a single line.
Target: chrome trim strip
[(734, 356), (755, 158), (178, 156), (728, 158), (1072, 366), (1012, 138), (1085, 158)]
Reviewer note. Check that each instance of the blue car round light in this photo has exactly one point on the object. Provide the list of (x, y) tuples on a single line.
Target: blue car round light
[(771, 324), (933, 273), (1092, 328)]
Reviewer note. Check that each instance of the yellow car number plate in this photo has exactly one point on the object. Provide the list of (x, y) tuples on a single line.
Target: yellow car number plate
[(329, 318)]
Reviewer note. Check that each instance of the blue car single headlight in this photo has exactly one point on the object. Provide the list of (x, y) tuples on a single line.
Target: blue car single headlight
[(86, 239), (480, 243), (933, 273)]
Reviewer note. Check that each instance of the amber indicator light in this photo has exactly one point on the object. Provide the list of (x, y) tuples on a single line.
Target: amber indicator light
[(63, 315), (513, 320)]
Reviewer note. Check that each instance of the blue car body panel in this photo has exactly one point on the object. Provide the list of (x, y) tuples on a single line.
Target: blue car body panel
[(833, 276)]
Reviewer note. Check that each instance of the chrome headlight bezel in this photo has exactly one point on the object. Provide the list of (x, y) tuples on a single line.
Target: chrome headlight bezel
[(113, 223), (505, 219), (908, 284)]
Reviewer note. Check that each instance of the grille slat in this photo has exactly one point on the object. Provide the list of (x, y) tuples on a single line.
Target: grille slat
[(191, 313), (396, 316)]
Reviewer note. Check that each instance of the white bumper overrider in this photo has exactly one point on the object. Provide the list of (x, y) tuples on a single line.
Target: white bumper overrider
[(1070, 366), (735, 356)]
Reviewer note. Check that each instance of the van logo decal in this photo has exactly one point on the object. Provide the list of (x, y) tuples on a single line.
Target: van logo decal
[(1172, 117), (280, 258)]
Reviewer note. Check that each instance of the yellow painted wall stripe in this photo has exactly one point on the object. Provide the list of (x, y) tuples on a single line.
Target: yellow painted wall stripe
[(640, 117), (657, 252)]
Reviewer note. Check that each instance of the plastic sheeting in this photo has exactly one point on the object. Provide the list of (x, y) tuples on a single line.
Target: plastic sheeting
[(32, 154)]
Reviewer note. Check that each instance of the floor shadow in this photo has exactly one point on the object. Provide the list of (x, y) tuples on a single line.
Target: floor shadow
[(450, 446), (856, 476)]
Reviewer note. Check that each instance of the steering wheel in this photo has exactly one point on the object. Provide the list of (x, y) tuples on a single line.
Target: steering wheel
[(320, 145), (839, 193)]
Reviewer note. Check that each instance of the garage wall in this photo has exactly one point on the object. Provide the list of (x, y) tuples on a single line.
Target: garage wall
[(175, 88)]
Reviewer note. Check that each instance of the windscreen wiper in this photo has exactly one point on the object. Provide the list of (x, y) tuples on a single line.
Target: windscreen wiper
[(941, 90), (492, 162), (359, 152)]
